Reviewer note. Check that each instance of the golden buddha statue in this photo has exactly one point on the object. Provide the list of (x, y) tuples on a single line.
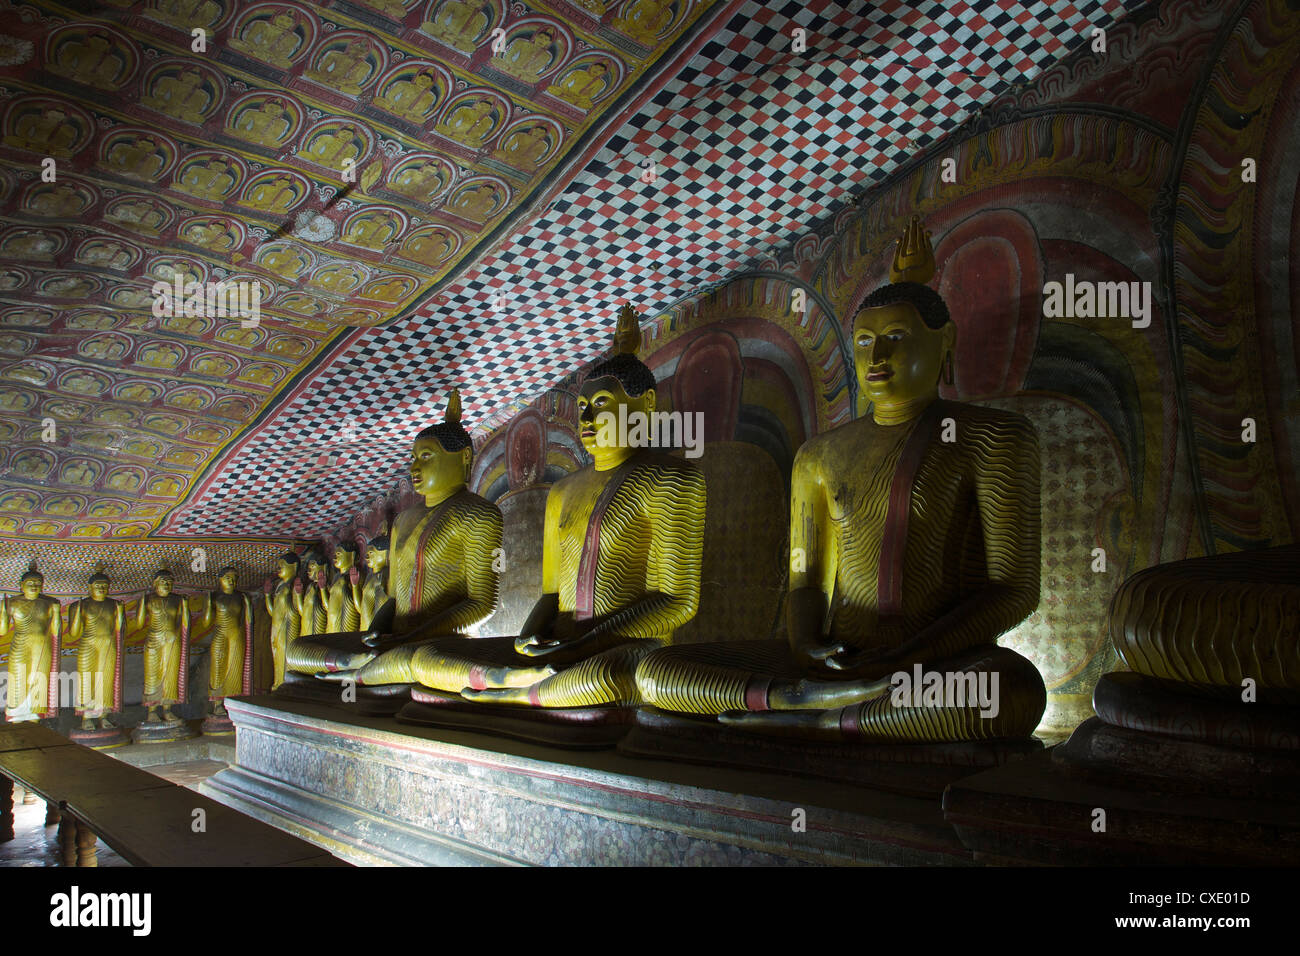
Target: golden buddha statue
[(283, 611), (910, 555), (166, 648), (32, 622), (374, 593), (96, 622), (458, 23), (441, 574), (621, 559), (229, 614), (343, 597), (308, 599)]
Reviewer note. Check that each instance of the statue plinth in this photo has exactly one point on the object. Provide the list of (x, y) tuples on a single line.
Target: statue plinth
[(163, 731), (379, 700), (214, 726), (579, 728), (100, 739)]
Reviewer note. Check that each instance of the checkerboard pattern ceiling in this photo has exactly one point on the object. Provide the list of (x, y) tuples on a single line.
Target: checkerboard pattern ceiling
[(749, 146)]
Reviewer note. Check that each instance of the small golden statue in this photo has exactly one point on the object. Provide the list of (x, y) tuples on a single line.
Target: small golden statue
[(33, 623), (621, 563), (343, 597), (308, 598), (229, 614), (910, 554), (282, 608), (166, 649), (374, 593), (96, 622)]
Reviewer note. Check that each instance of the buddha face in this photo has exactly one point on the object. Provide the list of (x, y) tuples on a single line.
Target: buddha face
[(434, 469), (314, 569), (31, 586), (286, 571), (344, 560), (376, 559), (99, 589), (601, 397), (898, 357), (227, 582), (162, 585)]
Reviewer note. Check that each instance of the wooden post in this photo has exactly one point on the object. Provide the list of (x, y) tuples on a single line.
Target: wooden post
[(6, 809), (29, 798), (85, 846), (68, 840), (52, 814)]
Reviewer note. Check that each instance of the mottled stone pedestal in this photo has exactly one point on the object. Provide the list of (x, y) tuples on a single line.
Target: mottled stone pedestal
[(571, 728), (373, 790), (1164, 800), (98, 739), (163, 731), (383, 700)]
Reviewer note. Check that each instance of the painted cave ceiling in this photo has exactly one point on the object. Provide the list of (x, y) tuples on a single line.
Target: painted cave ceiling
[(427, 193)]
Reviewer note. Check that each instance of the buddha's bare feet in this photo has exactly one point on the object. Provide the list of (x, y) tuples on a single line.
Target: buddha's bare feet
[(218, 710), (87, 724), (104, 724), (151, 717), (167, 714), (791, 723), (497, 695)]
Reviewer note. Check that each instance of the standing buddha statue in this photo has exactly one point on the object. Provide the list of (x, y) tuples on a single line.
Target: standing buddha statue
[(914, 537), (166, 648), (441, 573), (33, 623), (96, 622), (374, 593), (309, 597), (621, 560), (343, 597), (230, 615), (283, 611)]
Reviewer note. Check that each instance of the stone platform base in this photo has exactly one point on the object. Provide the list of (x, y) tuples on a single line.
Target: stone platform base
[(382, 700), (100, 739), (215, 726), (163, 731), (1166, 801), (372, 790), (919, 769), (573, 728)]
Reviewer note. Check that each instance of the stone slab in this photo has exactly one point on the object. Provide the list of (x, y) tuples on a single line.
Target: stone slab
[(373, 790), (1042, 811)]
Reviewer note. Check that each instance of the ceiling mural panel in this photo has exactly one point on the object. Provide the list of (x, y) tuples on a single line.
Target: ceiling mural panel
[(331, 162)]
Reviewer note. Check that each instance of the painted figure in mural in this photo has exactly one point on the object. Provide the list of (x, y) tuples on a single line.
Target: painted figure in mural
[(420, 181), (138, 215), (524, 148), (230, 615), (96, 622), (412, 99), (32, 622), (180, 95), (909, 548), (442, 576), (274, 195), (48, 131), (60, 201), (333, 147), (90, 60), (186, 14), (271, 39), (374, 593), (346, 69), (581, 87), (527, 57), (283, 611), (621, 560), (138, 157), (469, 123), (166, 648), (645, 20), (371, 231), (213, 180), (308, 598), (267, 124), (459, 23), (431, 247), (477, 204)]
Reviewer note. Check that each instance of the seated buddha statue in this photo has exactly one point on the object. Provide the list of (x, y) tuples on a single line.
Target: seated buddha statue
[(32, 623), (914, 537), (621, 559), (441, 574)]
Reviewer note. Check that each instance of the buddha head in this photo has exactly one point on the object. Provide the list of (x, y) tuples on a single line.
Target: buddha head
[(377, 554), (620, 383), (903, 336), (442, 454), (288, 566), (99, 586), (345, 557), (32, 583), (228, 579), (162, 583)]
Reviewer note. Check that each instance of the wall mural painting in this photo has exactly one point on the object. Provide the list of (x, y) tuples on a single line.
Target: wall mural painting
[(342, 160)]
